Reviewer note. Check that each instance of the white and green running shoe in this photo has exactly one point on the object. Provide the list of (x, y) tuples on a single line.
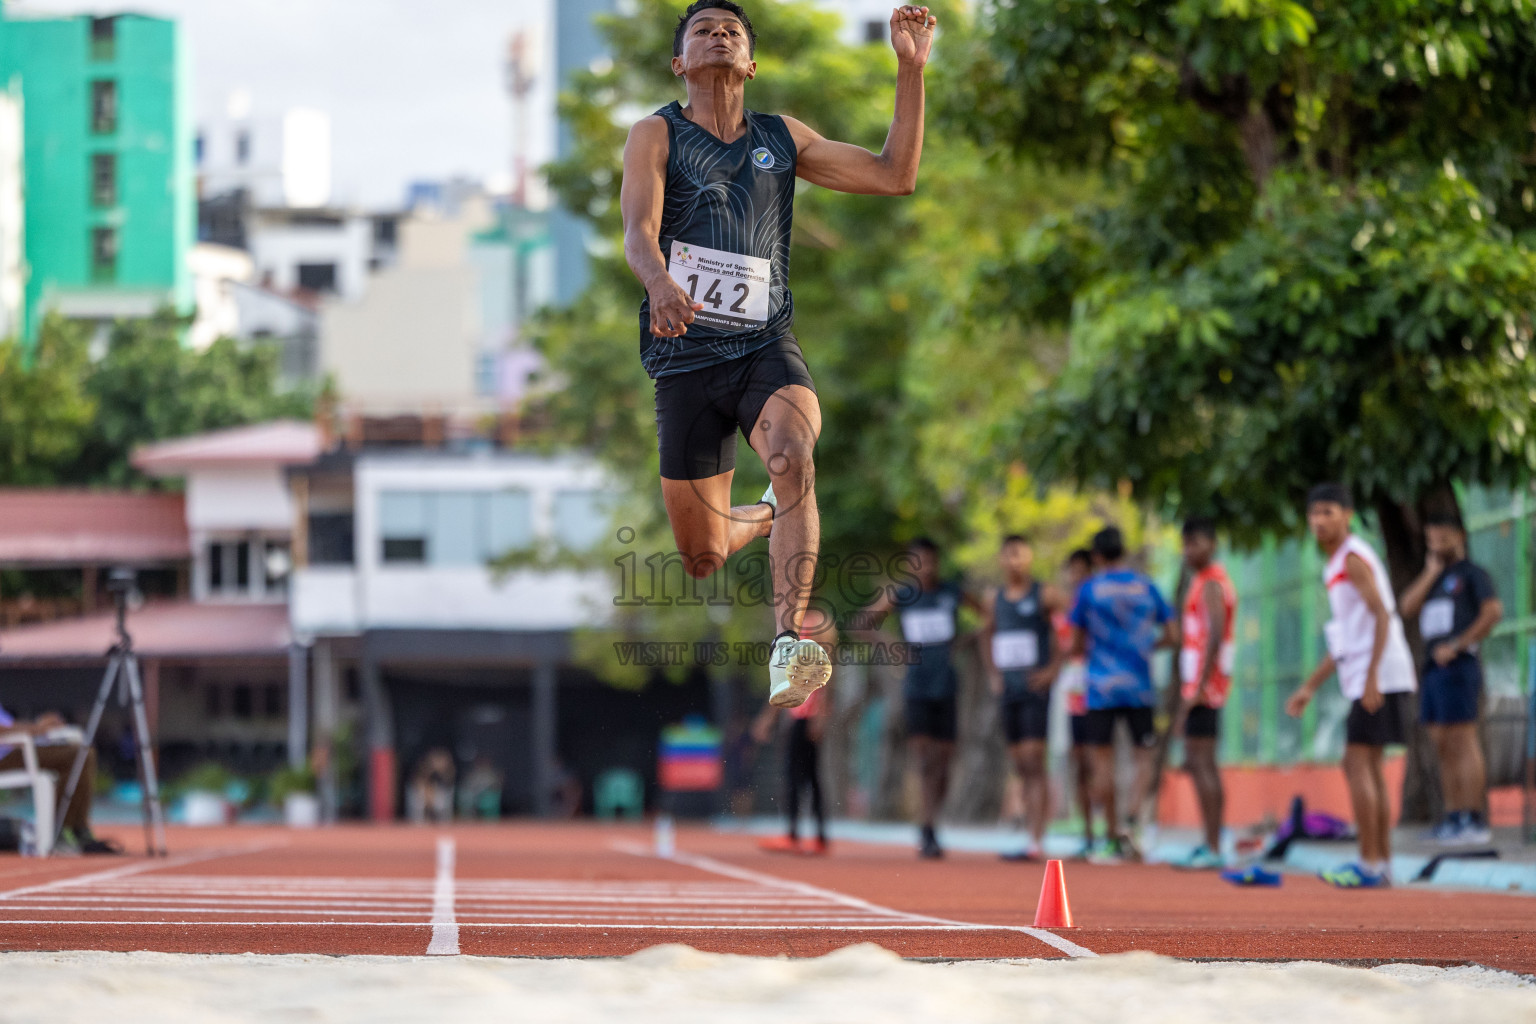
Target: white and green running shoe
[(796, 669), (770, 499)]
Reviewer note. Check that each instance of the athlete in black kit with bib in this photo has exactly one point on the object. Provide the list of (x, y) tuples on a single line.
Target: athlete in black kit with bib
[(708, 200)]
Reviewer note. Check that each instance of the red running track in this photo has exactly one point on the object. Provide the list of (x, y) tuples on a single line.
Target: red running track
[(592, 890)]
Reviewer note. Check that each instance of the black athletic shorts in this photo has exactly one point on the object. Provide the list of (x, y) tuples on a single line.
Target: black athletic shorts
[(1079, 730), (1388, 726), (935, 719), (1099, 726), (1202, 723), (1026, 717), (699, 412)]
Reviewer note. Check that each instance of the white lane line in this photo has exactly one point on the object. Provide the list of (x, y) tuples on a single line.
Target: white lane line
[(445, 931), (461, 918), (127, 870), (1051, 939), (605, 926)]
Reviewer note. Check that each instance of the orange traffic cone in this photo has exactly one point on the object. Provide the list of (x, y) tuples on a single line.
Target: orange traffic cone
[(1053, 911)]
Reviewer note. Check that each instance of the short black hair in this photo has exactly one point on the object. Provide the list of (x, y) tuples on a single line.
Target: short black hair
[(1082, 556), (1109, 544), (1450, 519), (1338, 494), (713, 5), (923, 544), (1014, 538), (1200, 526)]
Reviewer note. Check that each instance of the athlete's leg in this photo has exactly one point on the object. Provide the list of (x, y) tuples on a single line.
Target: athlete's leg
[(1102, 756), (1029, 759), (705, 535), (784, 437), (812, 771), (1461, 765), (1082, 770), (1362, 770), (1200, 761)]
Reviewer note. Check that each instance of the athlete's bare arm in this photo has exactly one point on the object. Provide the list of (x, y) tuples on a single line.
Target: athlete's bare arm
[(893, 171), (640, 201)]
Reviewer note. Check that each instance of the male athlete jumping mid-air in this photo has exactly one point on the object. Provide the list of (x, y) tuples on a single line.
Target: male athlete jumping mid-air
[(708, 199)]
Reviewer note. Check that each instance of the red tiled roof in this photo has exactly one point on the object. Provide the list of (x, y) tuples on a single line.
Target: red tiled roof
[(286, 442), (160, 629), (45, 526)]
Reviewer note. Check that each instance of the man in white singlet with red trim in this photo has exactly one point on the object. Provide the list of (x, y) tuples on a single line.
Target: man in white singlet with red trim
[(1205, 674), (1368, 650)]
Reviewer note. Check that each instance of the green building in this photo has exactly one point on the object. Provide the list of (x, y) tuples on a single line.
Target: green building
[(107, 164)]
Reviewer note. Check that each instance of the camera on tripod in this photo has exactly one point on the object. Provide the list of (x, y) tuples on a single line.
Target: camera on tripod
[(122, 584)]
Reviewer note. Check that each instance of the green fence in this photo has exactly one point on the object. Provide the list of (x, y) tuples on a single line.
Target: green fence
[(1280, 632)]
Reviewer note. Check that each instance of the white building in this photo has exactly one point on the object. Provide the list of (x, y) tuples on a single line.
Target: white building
[(12, 253), (395, 591), (277, 160), (315, 251)]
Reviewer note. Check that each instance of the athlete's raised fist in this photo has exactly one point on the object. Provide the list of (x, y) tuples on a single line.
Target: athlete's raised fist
[(912, 33)]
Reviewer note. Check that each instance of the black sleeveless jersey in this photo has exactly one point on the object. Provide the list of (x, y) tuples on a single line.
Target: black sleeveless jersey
[(725, 226), (1021, 639)]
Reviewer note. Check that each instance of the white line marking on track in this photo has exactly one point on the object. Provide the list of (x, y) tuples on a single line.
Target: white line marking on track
[(139, 868), (602, 925), (713, 866), (445, 931)]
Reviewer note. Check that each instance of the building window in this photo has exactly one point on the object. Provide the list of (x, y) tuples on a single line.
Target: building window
[(317, 277), (103, 106), (213, 701), (243, 566), (272, 701), (330, 538), (104, 179), (874, 31), (103, 254), (453, 528), (215, 568), (581, 519), (199, 148), (243, 147), (103, 38), (243, 703)]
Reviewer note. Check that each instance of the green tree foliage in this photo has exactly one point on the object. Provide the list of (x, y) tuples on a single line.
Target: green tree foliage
[(1313, 259), (44, 414), (65, 419)]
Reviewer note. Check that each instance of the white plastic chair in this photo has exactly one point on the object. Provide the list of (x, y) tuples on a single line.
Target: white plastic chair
[(43, 784)]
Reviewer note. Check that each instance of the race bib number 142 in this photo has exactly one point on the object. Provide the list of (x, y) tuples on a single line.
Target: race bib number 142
[(732, 288)]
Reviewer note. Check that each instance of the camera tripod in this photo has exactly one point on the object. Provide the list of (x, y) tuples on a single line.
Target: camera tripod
[(123, 675)]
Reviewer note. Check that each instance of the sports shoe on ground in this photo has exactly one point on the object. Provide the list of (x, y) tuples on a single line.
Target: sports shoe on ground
[(1107, 851), (816, 847), (1473, 831), (1355, 876), (1253, 874), (928, 847), (796, 669), (1201, 858), (779, 844), (1447, 832), (1030, 854)]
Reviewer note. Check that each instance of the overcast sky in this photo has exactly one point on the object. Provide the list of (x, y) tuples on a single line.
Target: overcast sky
[(414, 89)]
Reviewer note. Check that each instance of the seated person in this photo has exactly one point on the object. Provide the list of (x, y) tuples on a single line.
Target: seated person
[(59, 758)]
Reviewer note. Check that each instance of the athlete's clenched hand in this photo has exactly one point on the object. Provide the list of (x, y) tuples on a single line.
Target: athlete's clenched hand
[(912, 33), (671, 309)]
